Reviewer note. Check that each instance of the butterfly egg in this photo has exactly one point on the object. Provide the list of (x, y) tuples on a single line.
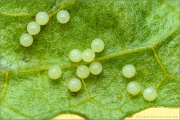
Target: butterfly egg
[(26, 40), (63, 16), (128, 71), (97, 45), (150, 94), (82, 71), (74, 85), (55, 72), (33, 28), (95, 68), (42, 18), (75, 55), (88, 55), (133, 87)]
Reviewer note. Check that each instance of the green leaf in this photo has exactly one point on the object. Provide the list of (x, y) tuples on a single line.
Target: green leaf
[(142, 33)]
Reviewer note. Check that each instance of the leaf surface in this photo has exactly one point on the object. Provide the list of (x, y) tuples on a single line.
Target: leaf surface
[(142, 33)]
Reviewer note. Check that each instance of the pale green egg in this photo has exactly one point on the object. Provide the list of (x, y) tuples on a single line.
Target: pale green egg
[(82, 71), (133, 87), (88, 55), (42, 18), (75, 55), (54, 72), (26, 40), (95, 68), (74, 85), (97, 45), (150, 94), (63, 16), (33, 28), (129, 71)]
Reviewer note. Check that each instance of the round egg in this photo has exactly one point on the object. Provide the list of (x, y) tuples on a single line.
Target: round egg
[(82, 71), (54, 72), (26, 40), (33, 28), (128, 71), (74, 85), (42, 18), (88, 55), (63, 16), (95, 68)]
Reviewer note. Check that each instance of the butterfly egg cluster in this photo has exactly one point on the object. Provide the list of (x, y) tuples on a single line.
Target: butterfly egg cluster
[(34, 27), (87, 55), (134, 87)]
